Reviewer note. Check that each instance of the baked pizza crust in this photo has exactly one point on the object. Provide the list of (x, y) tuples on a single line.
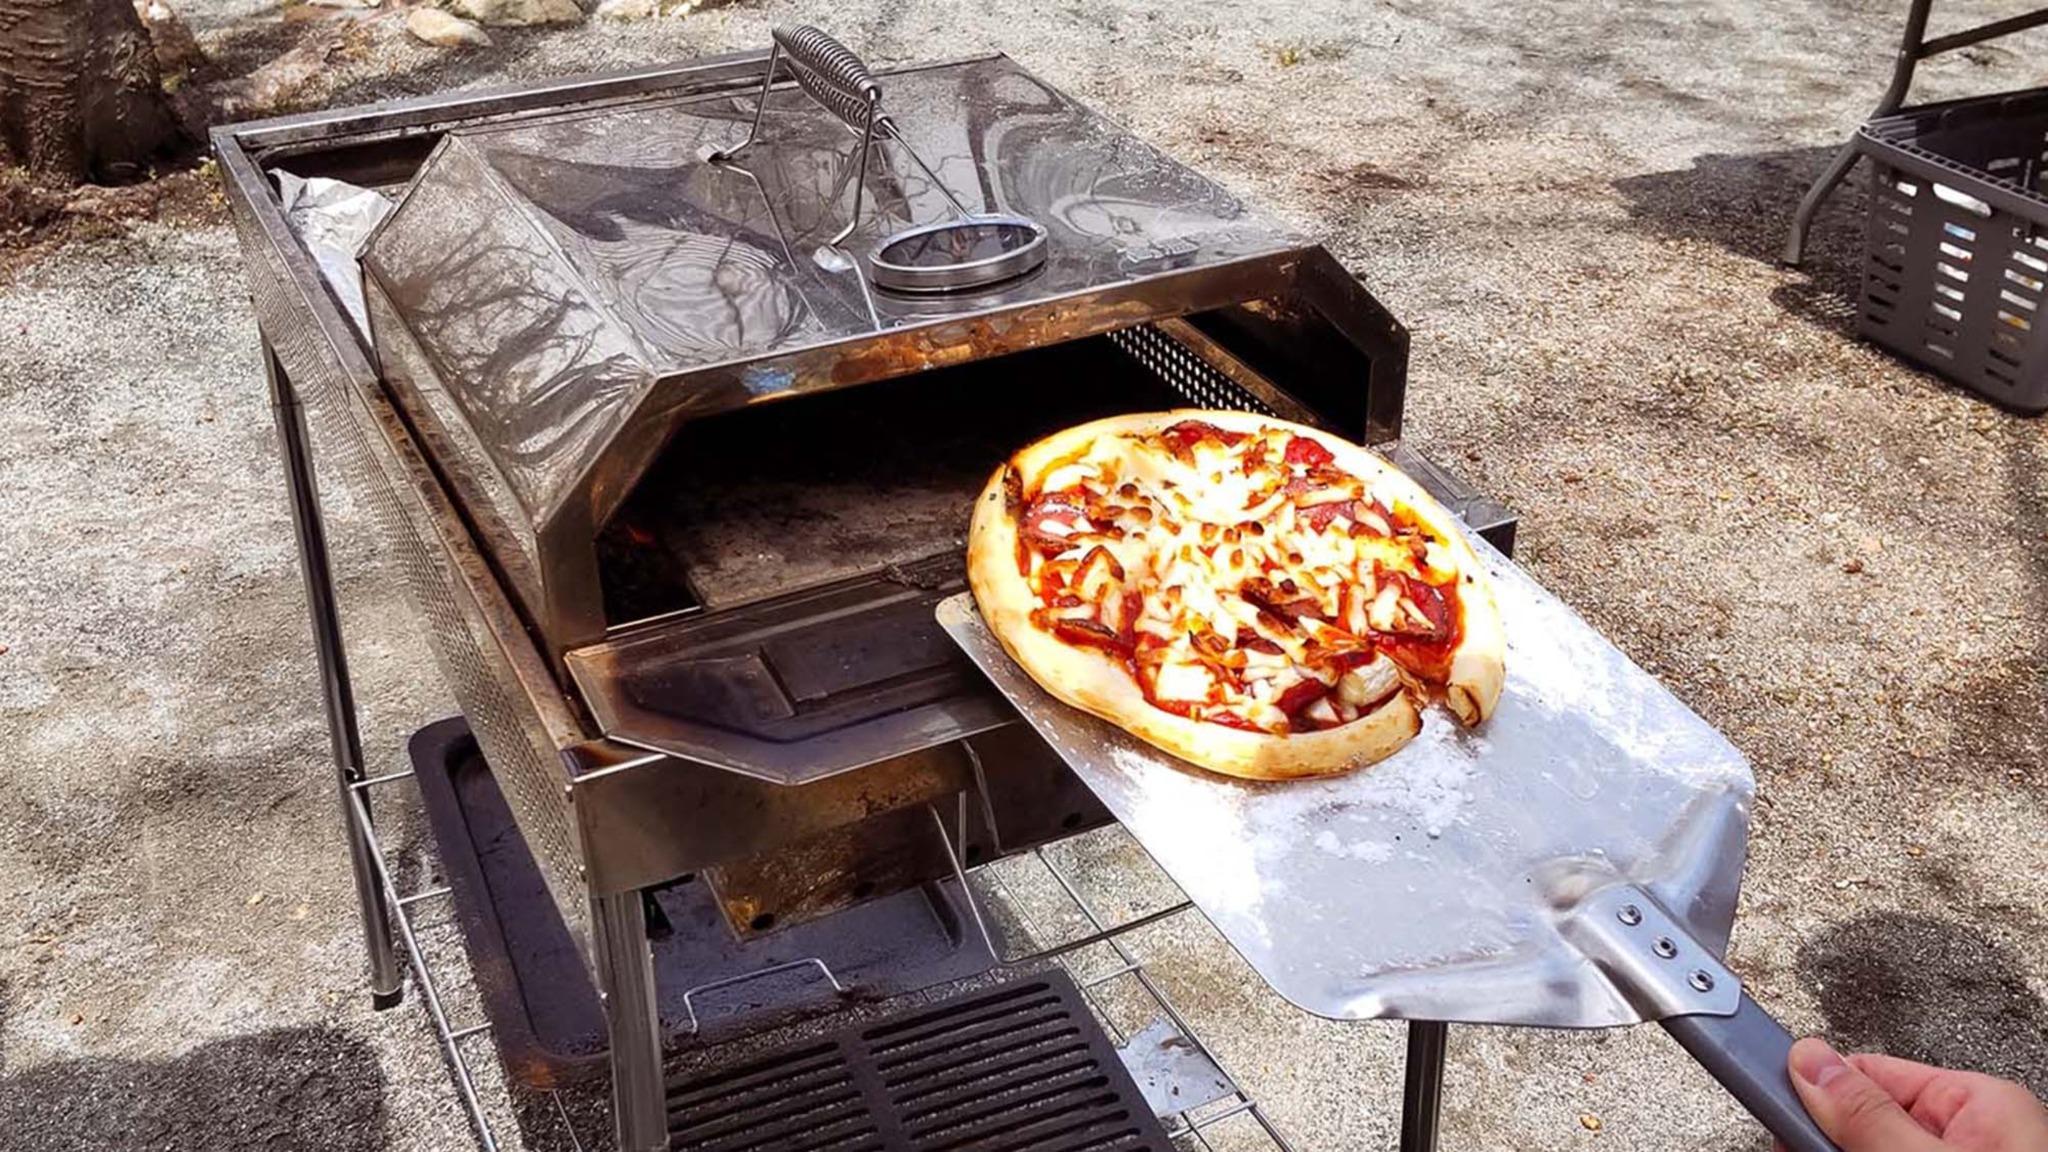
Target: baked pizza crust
[(1097, 682)]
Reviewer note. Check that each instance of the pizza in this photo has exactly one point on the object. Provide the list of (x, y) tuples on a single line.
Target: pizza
[(1258, 598)]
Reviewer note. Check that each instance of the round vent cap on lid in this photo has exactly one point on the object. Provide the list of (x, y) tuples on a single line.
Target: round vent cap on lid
[(972, 252)]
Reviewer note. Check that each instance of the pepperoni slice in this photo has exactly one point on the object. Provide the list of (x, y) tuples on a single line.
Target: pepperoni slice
[(1424, 652), (1430, 599), (1232, 720), (1253, 642), (1261, 593), (1181, 438), (1301, 695), (1302, 450), (1354, 657), (1091, 634), (1058, 509), (1319, 517)]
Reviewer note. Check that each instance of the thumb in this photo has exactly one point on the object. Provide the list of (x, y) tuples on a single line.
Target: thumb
[(1850, 1107)]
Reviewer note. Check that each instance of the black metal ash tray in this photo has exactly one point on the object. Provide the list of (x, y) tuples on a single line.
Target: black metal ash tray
[(714, 984), (925, 1043)]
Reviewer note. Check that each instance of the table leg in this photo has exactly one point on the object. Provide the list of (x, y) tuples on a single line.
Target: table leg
[(345, 740), (626, 976), (1911, 52), (1422, 1090)]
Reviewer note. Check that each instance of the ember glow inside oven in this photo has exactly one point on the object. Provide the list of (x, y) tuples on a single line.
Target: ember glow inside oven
[(678, 481)]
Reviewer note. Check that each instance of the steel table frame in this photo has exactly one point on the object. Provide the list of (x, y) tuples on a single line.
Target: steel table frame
[(304, 331), (1914, 48)]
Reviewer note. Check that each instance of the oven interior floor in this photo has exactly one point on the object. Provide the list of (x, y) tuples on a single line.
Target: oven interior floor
[(759, 502)]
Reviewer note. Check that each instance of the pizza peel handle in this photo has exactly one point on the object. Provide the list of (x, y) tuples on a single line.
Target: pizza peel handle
[(1654, 961), (1746, 1052)]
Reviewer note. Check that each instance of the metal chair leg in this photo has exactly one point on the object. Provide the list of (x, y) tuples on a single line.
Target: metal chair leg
[(1912, 49), (1802, 220), (626, 971), (386, 981), (1422, 1089)]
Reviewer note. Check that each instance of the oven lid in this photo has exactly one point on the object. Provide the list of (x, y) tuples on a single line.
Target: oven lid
[(578, 284)]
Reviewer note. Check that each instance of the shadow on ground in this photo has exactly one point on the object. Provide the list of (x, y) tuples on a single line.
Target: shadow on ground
[(1745, 204), (285, 1088), (1932, 990)]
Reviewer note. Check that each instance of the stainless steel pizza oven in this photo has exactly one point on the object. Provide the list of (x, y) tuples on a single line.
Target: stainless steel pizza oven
[(678, 478), (724, 483)]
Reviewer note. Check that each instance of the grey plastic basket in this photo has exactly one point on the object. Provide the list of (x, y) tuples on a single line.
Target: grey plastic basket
[(1956, 244)]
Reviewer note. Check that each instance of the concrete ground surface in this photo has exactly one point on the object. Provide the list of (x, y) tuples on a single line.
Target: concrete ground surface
[(1838, 560)]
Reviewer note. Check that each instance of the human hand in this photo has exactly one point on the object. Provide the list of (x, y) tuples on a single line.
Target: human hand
[(1870, 1103)]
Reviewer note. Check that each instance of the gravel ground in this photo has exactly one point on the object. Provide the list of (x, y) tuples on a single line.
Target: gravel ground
[(1840, 561)]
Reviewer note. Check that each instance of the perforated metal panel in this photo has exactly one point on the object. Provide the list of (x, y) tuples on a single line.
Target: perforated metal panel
[(350, 448), (1187, 373)]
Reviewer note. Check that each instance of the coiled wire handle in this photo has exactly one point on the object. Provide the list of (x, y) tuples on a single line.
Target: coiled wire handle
[(832, 75)]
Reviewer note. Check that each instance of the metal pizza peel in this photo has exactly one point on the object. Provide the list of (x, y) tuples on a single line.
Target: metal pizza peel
[(1571, 863)]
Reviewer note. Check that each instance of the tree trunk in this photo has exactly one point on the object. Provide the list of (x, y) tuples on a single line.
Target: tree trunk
[(80, 95)]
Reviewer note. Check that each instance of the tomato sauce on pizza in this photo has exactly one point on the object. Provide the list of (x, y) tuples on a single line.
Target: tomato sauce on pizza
[(1243, 578)]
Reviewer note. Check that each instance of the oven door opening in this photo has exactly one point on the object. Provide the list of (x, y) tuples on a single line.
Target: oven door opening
[(772, 579)]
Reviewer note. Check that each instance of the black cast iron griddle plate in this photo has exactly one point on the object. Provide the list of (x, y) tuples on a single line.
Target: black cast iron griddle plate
[(1022, 1067), (545, 1015)]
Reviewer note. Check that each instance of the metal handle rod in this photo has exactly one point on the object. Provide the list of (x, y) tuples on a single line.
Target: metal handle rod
[(1422, 1087), (1651, 957), (359, 812), (1911, 50), (860, 182), (831, 73), (825, 69), (368, 783), (896, 135), (720, 155), (1992, 31), (338, 696), (837, 79), (1746, 1053), (839, 82)]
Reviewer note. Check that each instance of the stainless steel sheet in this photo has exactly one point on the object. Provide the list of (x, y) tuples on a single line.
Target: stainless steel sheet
[(559, 270), (1429, 886)]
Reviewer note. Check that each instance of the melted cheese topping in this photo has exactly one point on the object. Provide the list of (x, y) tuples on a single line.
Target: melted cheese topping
[(1242, 578)]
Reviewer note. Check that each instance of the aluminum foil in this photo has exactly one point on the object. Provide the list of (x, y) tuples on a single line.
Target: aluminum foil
[(332, 219)]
